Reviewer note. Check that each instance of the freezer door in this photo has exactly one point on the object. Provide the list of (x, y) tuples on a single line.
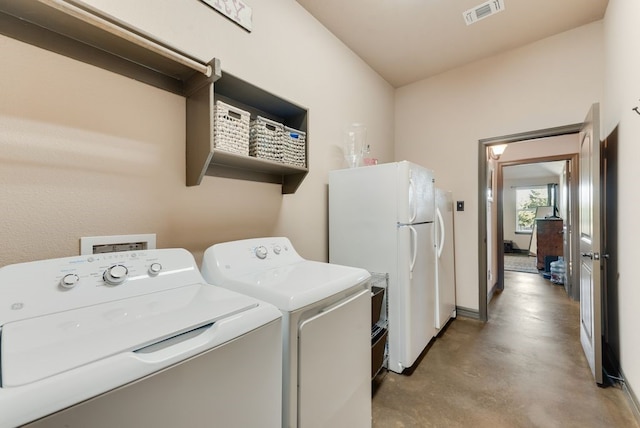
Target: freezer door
[(416, 194), (400, 192), (412, 296), (363, 217)]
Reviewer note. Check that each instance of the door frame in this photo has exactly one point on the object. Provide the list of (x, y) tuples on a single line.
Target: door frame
[(483, 147)]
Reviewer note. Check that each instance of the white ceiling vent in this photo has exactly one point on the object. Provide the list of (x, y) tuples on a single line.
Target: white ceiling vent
[(483, 11)]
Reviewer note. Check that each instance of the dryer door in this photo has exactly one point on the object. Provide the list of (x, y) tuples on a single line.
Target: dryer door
[(334, 384)]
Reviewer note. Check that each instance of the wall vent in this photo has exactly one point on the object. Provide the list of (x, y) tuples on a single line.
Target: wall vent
[(482, 11)]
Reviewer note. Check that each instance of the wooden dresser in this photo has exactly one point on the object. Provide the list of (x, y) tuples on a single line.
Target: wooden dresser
[(549, 239)]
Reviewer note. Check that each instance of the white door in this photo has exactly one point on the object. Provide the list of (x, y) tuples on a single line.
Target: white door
[(415, 316), (567, 226), (490, 258), (589, 271)]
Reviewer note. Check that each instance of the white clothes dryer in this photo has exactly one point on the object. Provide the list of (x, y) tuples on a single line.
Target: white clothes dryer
[(134, 339), (326, 312)]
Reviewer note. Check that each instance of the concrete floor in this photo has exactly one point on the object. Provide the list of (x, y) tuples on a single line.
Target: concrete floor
[(523, 368)]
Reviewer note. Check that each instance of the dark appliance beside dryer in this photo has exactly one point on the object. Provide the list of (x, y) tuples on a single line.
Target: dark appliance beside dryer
[(379, 329)]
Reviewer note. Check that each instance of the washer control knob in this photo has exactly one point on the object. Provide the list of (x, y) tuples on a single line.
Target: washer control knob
[(261, 252), (115, 275), (277, 249), (155, 269), (69, 280)]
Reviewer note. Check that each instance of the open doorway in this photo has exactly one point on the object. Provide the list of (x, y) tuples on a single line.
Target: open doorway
[(594, 187), (531, 191), (539, 146), (537, 218)]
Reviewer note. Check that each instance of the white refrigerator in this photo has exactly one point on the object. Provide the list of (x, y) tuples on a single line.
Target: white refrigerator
[(381, 218), (445, 263)]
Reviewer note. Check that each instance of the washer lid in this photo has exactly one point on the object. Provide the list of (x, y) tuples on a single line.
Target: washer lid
[(294, 286), (36, 348)]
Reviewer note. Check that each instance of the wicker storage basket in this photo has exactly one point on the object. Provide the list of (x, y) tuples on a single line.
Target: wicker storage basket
[(294, 147), (265, 139), (231, 129)]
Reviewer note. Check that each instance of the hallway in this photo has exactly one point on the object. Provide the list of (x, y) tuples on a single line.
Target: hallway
[(523, 368)]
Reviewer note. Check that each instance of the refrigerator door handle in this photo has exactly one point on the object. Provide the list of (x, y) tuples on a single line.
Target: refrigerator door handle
[(442, 237), (414, 249), (413, 204)]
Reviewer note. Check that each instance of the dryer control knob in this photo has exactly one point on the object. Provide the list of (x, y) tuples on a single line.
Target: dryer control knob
[(155, 269), (115, 275), (277, 249), (261, 252), (69, 280)]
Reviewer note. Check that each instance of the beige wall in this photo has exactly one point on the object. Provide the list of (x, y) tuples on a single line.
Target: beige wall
[(531, 149), (439, 120), (86, 152), (542, 147), (622, 90)]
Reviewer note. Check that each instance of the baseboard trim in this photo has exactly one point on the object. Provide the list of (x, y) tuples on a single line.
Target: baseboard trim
[(492, 292), (633, 398), (467, 313), (517, 251)]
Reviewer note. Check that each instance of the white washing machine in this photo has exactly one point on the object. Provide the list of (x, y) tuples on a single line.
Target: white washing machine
[(134, 339), (326, 312)]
